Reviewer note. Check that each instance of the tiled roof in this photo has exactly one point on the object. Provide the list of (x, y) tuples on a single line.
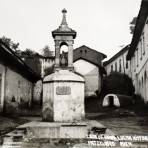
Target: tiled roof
[(117, 55), (89, 55), (10, 59), (141, 20)]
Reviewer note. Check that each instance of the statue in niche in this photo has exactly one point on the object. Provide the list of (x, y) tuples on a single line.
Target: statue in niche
[(63, 59)]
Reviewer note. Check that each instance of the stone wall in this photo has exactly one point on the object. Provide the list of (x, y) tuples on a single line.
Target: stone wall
[(18, 92), (2, 83), (37, 93)]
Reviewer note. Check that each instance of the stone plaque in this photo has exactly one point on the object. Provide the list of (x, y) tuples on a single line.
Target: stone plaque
[(63, 90)]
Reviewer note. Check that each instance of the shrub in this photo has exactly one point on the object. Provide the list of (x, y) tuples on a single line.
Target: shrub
[(117, 83)]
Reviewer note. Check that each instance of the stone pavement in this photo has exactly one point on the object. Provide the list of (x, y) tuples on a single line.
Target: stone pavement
[(22, 137)]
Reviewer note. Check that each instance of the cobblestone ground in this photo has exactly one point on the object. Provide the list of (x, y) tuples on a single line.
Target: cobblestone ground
[(127, 125), (120, 125)]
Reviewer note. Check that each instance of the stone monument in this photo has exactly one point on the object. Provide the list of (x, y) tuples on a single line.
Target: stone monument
[(63, 101), (63, 90)]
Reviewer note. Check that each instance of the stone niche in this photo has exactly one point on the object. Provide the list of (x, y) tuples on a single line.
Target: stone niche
[(63, 97)]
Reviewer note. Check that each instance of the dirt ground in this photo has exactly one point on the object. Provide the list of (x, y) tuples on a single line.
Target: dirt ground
[(122, 121), (8, 124), (127, 125)]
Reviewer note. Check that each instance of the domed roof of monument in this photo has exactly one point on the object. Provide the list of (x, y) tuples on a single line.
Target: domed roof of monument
[(64, 75), (64, 28)]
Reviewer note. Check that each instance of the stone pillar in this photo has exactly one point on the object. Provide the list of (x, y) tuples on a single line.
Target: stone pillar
[(70, 55), (57, 55)]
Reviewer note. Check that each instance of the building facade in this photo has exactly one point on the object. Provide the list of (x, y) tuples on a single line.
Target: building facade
[(46, 63), (138, 53), (118, 62), (88, 62), (16, 82)]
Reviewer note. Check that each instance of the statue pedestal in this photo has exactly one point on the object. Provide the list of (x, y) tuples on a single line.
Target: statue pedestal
[(63, 97)]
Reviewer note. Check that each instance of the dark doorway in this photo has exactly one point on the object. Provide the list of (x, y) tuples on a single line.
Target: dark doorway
[(111, 101), (0, 86)]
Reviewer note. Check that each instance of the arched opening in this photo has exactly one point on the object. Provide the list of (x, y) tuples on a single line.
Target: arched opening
[(64, 48), (63, 54), (111, 101)]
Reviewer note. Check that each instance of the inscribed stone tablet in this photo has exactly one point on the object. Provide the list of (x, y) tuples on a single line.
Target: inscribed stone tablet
[(63, 90)]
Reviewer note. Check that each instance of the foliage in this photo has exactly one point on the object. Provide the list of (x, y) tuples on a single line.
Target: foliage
[(132, 24), (28, 52), (117, 83), (46, 51), (92, 104), (33, 62), (10, 43), (140, 107), (49, 70)]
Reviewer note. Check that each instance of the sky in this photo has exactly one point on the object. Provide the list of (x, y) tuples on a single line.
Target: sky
[(102, 25)]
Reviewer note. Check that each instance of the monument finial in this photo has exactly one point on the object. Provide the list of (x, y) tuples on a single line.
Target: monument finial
[(64, 22)]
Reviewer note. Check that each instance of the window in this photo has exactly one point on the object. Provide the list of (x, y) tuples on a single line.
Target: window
[(143, 39), (134, 63), (141, 46), (0, 86), (137, 56), (120, 65), (142, 82), (116, 66), (126, 64), (145, 75), (111, 68)]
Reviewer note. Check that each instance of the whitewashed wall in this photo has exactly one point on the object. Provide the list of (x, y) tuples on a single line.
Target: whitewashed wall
[(46, 63), (115, 65), (2, 81), (16, 91), (91, 75), (139, 65)]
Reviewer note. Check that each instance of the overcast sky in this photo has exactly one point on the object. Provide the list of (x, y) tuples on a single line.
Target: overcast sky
[(100, 24)]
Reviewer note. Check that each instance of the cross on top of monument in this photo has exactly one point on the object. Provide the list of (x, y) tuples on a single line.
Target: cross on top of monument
[(64, 28), (64, 11), (64, 22), (64, 36)]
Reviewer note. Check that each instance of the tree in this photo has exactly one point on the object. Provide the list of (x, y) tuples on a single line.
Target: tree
[(117, 83), (31, 58), (10, 43), (132, 24), (29, 52), (46, 51)]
